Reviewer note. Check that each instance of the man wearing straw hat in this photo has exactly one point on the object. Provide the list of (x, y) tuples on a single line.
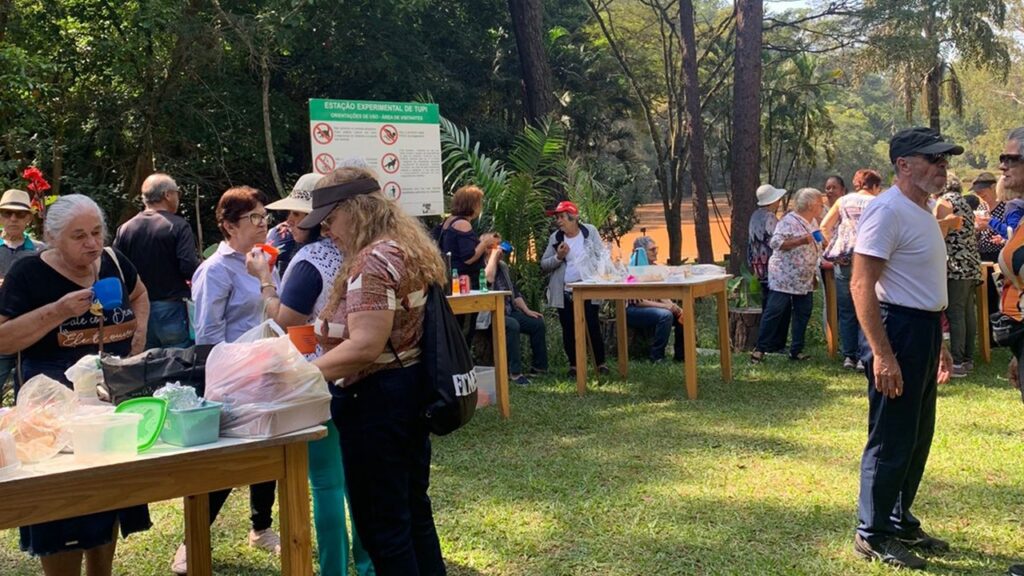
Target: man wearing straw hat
[(15, 244), (153, 240)]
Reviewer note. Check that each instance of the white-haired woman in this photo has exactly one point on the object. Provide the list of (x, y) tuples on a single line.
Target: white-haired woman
[(796, 250), (47, 314)]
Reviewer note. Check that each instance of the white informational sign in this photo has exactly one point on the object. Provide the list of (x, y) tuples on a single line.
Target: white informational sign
[(400, 141)]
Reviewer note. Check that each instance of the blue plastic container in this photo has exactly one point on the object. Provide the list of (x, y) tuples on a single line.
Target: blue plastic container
[(194, 426)]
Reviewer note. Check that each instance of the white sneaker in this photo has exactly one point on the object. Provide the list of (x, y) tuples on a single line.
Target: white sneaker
[(180, 563), (266, 539), (860, 365)]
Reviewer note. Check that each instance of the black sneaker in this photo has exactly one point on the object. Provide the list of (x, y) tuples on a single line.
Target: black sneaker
[(921, 540), (889, 551), (1016, 570)]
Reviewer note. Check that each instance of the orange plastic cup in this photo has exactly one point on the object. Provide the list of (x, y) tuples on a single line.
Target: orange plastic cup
[(271, 251), (303, 337)]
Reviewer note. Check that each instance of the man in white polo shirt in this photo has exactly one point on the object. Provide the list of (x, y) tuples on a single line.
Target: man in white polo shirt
[(899, 292)]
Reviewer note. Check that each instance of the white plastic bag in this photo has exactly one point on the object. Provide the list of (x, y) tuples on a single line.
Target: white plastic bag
[(266, 385), (86, 375), (39, 421)]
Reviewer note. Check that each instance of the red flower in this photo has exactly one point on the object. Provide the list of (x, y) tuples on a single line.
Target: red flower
[(36, 182)]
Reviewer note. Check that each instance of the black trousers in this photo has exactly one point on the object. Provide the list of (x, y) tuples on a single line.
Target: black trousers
[(261, 504), (900, 429), (385, 449), (569, 330)]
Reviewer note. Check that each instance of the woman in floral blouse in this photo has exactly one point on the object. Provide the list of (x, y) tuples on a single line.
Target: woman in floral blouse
[(796, 245), (963, 273)]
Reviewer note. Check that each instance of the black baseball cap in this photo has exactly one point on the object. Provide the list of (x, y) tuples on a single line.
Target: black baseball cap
[(325, 199), (914, 141)]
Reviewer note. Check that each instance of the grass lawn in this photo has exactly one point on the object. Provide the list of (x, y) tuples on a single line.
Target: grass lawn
[(758, 476)]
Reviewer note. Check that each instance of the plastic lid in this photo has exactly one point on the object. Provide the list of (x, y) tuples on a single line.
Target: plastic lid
[(153, 412)]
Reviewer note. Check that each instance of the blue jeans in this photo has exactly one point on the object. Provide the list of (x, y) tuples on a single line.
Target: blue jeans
[(648, 317), (900, 429), (168, 325), (385, 448), (779, 306), (776, 341), (516, 324), (849, 329)]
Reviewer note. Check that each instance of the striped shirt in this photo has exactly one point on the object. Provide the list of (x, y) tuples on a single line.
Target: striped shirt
[(377, 281)]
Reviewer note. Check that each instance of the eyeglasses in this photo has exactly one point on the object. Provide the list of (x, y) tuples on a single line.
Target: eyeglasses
[(257, 218), (1010, 159), (934, 158), (15, 214)]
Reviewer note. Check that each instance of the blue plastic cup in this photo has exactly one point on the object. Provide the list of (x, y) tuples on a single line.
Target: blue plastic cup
[(108, 292), (506, 247), (818, 236)]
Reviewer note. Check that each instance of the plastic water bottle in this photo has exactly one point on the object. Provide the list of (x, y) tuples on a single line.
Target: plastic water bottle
[(483, 281)]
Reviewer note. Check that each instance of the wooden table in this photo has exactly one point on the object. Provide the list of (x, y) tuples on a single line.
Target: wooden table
[(684, 292), (494, 302), (981, 300), (64, 488), (828, 281)]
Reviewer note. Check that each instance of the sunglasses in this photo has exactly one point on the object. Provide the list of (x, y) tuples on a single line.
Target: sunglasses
[(934, 158), (1010, 159), (15, 214)]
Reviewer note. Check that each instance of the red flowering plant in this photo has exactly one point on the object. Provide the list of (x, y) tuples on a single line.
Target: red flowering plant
[(37, 185)]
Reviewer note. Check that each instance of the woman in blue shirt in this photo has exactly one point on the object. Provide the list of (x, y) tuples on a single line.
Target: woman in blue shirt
[(229, 304)]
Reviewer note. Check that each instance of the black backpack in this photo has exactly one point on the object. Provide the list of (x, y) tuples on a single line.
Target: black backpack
[(451, 378)]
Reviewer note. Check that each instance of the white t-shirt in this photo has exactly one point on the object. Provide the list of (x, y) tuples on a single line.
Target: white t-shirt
[(577, 250), (908, 238)]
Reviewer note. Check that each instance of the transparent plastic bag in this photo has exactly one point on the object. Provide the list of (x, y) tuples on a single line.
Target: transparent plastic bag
[(86, 375), (39, 421), (266, 385)]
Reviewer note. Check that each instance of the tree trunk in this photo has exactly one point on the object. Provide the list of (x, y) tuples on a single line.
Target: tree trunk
[(933, 82), (695, 134), (267, 134), (57, 172), (527, 23), (746, 125), (673, 222), (744, 324)]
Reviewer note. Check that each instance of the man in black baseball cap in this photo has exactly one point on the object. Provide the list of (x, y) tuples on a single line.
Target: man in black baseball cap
[(899, 291)]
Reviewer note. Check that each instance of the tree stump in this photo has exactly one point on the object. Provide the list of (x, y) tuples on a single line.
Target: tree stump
[(743, 326)]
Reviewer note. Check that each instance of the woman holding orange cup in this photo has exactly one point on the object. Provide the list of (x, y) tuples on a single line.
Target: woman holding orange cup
[(303, 296)]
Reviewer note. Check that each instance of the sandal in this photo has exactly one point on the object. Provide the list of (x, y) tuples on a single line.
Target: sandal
[(799, 357), (756, 357)]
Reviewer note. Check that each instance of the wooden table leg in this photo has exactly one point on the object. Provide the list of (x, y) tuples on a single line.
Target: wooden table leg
[(690, 344), (197, 535), (724, 346), (498, 344), (293, 498), (828, 278), (621, 333), (983, 331), (580, 330)]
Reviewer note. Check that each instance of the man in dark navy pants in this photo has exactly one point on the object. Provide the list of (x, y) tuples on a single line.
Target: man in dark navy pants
[(899, 292)]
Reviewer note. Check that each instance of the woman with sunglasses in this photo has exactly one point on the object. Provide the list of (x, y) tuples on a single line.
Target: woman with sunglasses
[(1013, 207), (229, 303)]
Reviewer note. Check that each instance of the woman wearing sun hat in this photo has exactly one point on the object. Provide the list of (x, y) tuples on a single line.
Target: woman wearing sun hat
[(15, 216), (287, 236), (759, 251)]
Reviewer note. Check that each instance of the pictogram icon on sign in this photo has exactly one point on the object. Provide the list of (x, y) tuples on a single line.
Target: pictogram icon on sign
[(324, 163), (388, 134), (389, 163), (392, 190), (323, 133)]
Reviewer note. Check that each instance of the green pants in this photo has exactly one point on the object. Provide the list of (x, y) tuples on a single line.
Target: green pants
[(962, 315), (327, 478)]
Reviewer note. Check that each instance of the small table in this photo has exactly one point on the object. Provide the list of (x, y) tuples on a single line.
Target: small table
[(63, 488), (494, 302), (686, 292)]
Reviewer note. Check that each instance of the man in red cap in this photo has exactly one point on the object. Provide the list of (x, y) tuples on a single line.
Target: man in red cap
[(572, 248)]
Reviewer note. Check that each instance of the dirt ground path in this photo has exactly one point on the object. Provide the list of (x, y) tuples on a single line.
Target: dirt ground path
[(652, 217)]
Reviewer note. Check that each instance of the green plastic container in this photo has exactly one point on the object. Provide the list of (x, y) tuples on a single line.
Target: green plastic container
[(153, 412), (194, 426)]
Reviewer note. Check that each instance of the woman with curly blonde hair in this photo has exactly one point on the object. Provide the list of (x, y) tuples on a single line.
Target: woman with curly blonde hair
[(372, 328)]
